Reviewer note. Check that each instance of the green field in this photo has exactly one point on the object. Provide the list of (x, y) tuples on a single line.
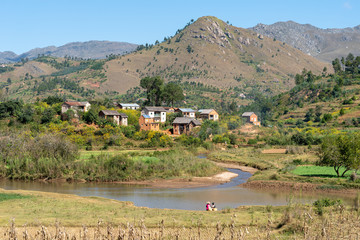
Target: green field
[(318, 171)]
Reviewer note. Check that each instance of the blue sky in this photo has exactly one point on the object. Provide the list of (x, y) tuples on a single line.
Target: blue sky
[(28, 24)]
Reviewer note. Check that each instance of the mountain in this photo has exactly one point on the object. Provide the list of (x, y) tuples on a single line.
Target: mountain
[(323, 44), (215, 53), (207, 54), (90, 49)]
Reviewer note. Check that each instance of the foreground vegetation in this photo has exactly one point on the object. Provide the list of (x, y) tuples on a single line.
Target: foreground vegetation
[(53, 157), (59, 216)]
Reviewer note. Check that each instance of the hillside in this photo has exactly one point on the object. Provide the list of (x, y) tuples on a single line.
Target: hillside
[(323, 44), (90, 49), (236, 62), (214, 53)]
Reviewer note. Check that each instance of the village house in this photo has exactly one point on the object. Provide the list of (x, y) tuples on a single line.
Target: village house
[(75, 106), (251, 117), (157, 113), (127, 106), (169, 109), (147, 123), (119, 118), (209, 114), (186, 112), (184, 125)]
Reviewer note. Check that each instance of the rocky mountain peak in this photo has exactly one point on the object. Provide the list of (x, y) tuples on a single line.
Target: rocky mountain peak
[(324, 44)]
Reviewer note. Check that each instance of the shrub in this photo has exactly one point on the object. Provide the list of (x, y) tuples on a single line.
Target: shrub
[(252, 141), (297, 162), (274, 177), (353, 177), (325, 202)]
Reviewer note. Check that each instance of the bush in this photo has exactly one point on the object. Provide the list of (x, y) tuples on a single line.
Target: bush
[(353, 177), (325, 202), (252, 141), (190, 141), (274, 177)]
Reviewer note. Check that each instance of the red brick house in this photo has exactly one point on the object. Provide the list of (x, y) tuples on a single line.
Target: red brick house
[(147, 123), (251, 117), (184, 125)]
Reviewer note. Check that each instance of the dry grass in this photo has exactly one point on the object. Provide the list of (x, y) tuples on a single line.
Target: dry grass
[(297, 222)]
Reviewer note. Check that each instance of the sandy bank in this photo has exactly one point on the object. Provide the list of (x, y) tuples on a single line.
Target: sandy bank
[(186, 182)]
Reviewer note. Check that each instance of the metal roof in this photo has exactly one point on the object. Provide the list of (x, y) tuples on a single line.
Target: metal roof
[(129, 105), (146, 116), (79, 104), (247, 114), (186, 110)]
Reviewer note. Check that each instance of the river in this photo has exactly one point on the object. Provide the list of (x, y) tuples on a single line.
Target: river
[(228, 195)]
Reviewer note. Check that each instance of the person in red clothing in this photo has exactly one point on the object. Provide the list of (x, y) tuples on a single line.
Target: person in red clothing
[(208, 206)]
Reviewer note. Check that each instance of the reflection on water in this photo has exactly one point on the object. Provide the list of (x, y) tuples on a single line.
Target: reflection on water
[(225, 195)]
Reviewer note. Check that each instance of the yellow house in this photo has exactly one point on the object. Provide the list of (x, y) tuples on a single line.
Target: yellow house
[(209, 114)]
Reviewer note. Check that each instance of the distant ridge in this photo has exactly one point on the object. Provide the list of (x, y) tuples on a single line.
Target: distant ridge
[(90, 49), (323, 44)]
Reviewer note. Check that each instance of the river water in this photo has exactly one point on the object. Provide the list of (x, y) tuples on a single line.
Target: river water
[(228, 195)]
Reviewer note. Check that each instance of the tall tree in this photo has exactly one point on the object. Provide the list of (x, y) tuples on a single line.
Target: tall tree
[(336, 65), (154, 87), (172, 93)]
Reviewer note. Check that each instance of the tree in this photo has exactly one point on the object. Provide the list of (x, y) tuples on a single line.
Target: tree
[(172, 93), (91, 116), (48, 115), (336, 65), (154, 88), (233, 106), (309, 115), (299, 79), (53, 99), (189, 49), (26, 115), (9, 108), (340, 152)]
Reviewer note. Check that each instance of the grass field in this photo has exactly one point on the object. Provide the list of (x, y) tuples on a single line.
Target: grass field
[(318, 171), (36, 208)]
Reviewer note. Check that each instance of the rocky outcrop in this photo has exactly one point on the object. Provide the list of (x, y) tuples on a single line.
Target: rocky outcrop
[(324, 44)]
